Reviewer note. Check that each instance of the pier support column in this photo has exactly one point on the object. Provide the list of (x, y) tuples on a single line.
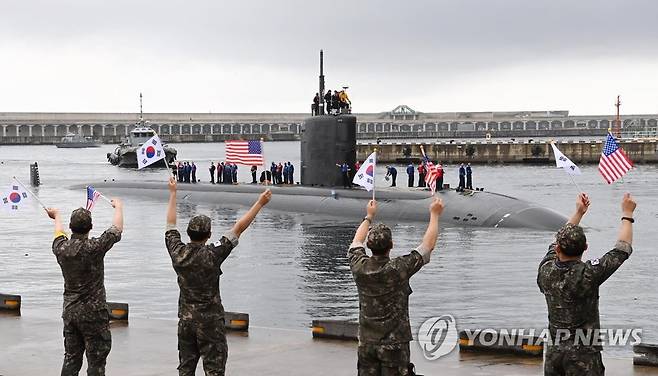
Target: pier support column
[(68, 129), (103, 130), (29, 130), (525, 125), (171, 128), (114, 129), (91, 129), (180, 129), (55, 128), (18, 130), (4, 131), (43, 130), (125, 130), (212, 129)]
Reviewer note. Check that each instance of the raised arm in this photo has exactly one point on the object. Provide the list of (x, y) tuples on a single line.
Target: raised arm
[(246, 219), (362, 231), (53, 213), (582, 204), (171, 206), (432, 232), (117, 220), (627, 208)]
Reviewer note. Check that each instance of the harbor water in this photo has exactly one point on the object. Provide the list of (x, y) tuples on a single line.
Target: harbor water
[(291, 268)]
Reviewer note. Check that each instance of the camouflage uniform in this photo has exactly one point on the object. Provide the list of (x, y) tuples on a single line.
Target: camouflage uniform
[(384, 329), (571, 289), (86, 320), (201, 331)]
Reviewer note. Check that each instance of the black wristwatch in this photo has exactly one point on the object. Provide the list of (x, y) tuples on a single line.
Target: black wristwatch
[(367, 219), (631, 220)]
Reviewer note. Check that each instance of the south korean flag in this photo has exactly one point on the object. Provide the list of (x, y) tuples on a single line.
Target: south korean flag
[(150, 152), (365, 177), (565, 163), (15, 198)]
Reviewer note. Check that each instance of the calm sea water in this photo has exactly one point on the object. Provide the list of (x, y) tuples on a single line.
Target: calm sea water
[(291, 268)]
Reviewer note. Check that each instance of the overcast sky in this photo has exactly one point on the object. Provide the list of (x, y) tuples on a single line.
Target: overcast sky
[(262, 56)]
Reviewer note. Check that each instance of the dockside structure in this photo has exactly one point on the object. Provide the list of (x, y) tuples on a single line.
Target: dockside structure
[(400, 123)]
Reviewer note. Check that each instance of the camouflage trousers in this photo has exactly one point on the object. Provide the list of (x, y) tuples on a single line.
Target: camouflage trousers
[(89, 333), (384, 360), (202, 339), (571, 362)]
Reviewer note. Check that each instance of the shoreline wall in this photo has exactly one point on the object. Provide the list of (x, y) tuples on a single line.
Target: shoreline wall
[(639, 151)]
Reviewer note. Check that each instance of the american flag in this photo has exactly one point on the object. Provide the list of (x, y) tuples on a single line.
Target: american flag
[(613, 163), (244, 152), (431, 174), (92, 196)]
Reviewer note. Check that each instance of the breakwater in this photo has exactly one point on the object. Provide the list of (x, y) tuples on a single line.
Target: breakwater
[(640, 151)]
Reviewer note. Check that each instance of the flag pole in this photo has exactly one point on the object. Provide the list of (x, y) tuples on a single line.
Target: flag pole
[(171, 173), (32, 193), (262, 151), (374, 174), (576, 184)]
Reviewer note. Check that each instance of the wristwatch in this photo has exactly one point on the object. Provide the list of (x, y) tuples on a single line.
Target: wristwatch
[(631, 220), (367, 219)]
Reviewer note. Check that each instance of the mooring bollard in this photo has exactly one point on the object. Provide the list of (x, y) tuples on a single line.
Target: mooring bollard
[(236, 321), (336, 329), (500, 342), (645, 355), (117, 311), (10, 304), (35, 181)]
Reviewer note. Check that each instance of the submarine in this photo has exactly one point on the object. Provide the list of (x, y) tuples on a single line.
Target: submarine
[(328, 139)]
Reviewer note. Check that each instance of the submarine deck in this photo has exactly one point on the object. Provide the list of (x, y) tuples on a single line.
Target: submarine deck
[(34, 346)]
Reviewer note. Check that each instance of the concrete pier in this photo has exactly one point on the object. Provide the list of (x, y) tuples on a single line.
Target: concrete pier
[(639, 151), (34, 346)]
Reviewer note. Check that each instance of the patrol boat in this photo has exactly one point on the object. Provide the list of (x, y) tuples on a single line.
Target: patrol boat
[(125, 154), (327, 139), (75, 141)]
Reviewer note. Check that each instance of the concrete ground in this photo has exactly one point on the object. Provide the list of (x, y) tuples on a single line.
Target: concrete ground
[(34, 346)]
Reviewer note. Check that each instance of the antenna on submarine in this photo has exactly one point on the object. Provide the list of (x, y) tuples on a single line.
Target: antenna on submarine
[(321, 92)]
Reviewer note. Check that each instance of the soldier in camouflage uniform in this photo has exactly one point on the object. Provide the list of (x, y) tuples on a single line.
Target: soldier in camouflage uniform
[(383, 286), (86, 320), (201, 331), (571, 288)]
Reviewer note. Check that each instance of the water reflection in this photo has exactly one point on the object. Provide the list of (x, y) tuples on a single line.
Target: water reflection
[(326, 287)]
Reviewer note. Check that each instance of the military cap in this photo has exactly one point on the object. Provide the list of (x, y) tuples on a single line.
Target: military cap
[(379, 237), (81, 219), (571, 238), (199, 223)]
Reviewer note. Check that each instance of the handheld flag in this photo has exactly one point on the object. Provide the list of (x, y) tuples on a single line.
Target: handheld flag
[(432, 171), (92, 196), (365, 177), (613, 163), (244, 152), (565, 163), (150, 152), (15, 197)]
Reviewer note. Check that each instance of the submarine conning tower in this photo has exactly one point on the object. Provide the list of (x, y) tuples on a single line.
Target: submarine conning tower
[(327, 140)]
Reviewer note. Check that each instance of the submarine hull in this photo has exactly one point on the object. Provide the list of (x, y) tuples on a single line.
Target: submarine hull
[(473, 209)]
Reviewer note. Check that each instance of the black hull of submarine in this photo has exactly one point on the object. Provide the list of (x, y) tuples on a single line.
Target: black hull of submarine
[(471, 209)]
